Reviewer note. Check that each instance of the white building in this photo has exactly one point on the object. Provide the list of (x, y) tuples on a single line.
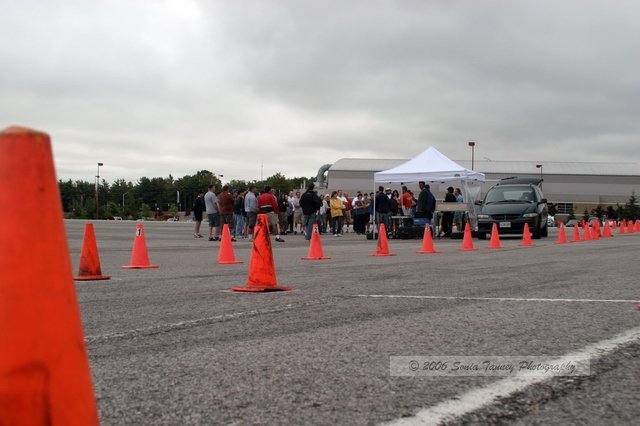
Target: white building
[(569, 185)]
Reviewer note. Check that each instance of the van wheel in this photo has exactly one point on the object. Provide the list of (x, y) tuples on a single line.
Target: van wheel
[(545, 231)]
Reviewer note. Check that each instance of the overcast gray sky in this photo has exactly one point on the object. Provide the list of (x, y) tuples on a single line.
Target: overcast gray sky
[(152, 88)]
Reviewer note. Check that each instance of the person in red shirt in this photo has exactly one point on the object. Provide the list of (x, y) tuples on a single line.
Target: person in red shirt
[(407, 201), (267, 204), (225, 208)]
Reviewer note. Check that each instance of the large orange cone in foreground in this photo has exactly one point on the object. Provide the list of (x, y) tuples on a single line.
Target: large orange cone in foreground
[(382, 249), (562, 235), (427, 241), (226, 255), (315, 246), (526, 237), (44, 372), (89, 268), (495, 238), (262, 271), (467, 240), (139, 255)]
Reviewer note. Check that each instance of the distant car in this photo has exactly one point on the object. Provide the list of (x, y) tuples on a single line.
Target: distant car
[(512, 203), (572, 222)]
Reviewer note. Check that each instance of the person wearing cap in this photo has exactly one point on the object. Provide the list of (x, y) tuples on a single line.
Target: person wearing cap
[(310, 203)]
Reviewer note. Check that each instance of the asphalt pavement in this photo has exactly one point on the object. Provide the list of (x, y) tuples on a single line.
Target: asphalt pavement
[(173, 346)]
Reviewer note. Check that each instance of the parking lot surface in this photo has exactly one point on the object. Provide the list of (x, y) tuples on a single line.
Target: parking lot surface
[(174, 346)]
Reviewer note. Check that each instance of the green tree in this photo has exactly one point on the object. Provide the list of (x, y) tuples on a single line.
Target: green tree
[(631, 210)]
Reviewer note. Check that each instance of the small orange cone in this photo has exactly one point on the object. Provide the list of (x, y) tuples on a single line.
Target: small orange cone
[(44, 369), (382, 249), (562, 235), (636, 227), (315, 246), (89, 268), (139, 255), (262, 271), (587, 231), (576, 234), (427, 241), (526, 237), (630, 226), (607, 230), (467, 240), (226, 255), (614, 224), (623, 227), (595, 232), (495, 238)]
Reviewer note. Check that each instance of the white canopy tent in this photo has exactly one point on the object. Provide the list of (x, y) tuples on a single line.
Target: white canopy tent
[(429, 166), (433, 166)]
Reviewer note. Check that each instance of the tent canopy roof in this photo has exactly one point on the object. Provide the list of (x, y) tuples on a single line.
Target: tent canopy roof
[(429, 166)]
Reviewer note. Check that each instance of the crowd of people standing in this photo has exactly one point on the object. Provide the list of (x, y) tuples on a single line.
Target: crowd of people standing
[(334, 213)]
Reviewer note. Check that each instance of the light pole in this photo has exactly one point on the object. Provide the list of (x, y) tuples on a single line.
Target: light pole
[(98, 183), (123, 194), (539, 166), (473, 146)]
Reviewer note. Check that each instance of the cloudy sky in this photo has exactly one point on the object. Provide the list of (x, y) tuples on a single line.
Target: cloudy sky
[(244, 88)]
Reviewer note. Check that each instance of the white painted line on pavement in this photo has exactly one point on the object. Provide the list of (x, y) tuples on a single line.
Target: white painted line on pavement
[(497, 299), (478, 398)]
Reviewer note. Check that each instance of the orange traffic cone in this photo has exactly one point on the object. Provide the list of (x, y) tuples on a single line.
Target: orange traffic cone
[(262, 271), (636, 227), (630, 226), (587, 231), (614, 224), (467, 240), (315, 246), (495, 238), (226, 255), (89, 259), (623, 227), (44, 370), (576, 234), (139, 255), (427, 241), (383, 245), (526, 237), (562, 235), (595, 231), (607, 230)]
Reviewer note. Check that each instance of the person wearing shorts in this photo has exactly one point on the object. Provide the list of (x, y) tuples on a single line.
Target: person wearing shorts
[(251, 208), (210, 202), (267, 204)]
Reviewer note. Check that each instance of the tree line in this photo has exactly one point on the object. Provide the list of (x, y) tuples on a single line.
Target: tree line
[(152, 197)]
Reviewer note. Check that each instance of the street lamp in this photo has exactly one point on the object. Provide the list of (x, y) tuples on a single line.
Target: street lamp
[(97, 183), (539, 166), (472, 145)]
